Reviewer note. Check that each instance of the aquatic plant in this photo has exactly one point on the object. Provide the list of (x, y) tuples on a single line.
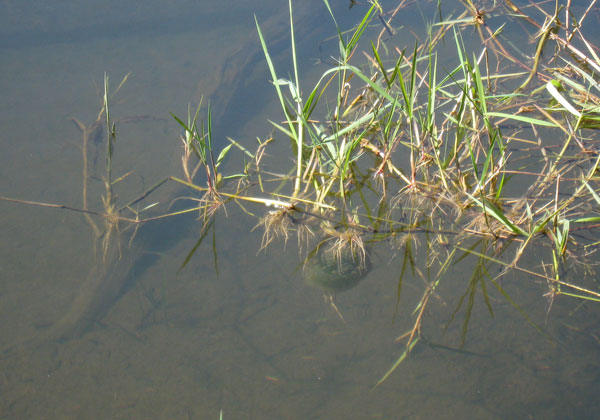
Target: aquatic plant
[(459, 158)]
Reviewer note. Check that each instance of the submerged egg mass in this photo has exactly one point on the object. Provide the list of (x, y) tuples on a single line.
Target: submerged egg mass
[(326, 271)]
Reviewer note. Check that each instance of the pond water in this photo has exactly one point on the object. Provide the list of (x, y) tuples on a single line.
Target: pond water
[(235, 330)]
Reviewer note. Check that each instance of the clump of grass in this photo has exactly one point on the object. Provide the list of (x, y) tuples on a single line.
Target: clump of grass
[(408, 151), (345, 242), (276, 224)]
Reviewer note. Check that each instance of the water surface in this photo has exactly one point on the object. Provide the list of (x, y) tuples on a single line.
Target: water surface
[(252, 340)]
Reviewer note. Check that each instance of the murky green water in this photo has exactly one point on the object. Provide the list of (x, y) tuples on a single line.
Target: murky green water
[(254, 340)]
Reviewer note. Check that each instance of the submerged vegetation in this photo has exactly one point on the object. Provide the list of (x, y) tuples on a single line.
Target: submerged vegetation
[(488, 157)]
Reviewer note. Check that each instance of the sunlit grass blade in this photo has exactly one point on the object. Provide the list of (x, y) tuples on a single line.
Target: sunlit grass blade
[(522, 118)]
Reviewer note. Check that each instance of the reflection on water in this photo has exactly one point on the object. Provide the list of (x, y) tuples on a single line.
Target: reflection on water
[(138, 338)]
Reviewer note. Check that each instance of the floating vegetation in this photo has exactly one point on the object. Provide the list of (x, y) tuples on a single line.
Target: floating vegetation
[(486, 160)]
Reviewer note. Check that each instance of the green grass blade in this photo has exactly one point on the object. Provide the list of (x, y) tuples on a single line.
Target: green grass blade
[(275, 78), (493, 211), (400, 360)]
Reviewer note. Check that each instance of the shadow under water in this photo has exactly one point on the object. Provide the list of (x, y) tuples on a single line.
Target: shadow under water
[(114, 273)]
